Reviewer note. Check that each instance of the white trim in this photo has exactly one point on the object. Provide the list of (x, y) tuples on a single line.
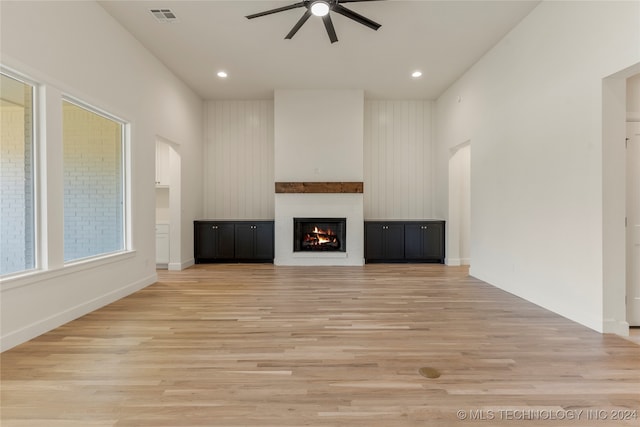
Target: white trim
[(45, 325), (453, 262), (125, 163), (36, 165), (179, 266), (613, 326), (36, 276), (633, 116)]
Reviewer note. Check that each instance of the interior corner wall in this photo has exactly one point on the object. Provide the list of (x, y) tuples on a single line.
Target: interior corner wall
[(78, 49), (533, 108)]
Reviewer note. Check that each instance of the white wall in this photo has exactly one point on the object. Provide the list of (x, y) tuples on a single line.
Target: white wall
[(239, 159), (398, 172), (532, 108), (76, 48), (238, 172), (319, 135), (633, 98)]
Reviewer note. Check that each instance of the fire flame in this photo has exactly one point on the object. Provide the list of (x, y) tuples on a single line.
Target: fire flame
[(328, 232), (320, 237)]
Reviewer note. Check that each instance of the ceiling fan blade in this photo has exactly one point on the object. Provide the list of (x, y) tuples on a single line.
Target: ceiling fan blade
[(356, 17), (279, 9), (356, 1), (299, 24), (328, 24)]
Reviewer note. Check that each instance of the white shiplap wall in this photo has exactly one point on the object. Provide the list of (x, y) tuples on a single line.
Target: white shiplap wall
[(238, 169), (398, 172), (239, 159)]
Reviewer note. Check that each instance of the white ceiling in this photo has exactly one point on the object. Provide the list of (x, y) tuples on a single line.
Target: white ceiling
[(441, 38)]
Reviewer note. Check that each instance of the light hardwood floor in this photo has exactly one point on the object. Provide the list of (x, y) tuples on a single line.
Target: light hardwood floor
[(258, 345)]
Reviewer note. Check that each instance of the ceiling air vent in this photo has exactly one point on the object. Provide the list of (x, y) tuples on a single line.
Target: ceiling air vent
[(164, 15)]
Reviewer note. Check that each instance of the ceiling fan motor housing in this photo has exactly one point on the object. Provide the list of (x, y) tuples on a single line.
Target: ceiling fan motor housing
[(322, 8)]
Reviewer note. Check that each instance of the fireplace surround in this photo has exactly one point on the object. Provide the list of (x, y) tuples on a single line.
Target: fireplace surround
[(319, 174)]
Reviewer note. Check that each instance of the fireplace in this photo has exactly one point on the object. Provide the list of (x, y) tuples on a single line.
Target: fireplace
[(319, 234)]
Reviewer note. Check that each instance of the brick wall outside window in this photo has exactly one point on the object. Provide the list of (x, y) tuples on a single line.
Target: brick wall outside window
[(17, 230), (93, 184)]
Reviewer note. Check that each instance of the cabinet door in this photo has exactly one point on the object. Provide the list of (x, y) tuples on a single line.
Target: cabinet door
[(264, 241), (433, 241), (225, 245), (424, 241), (394, 241), (374, 243), (205, 237), (213, 240), (413, 240), (162, 248), (162, 164), (384, 241), (245, 241)]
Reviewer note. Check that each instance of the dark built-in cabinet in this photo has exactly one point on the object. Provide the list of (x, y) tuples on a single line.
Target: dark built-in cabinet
[(254, 240), (404, 241), (214, 241), (384, 241), (233, 241), (424, 241)]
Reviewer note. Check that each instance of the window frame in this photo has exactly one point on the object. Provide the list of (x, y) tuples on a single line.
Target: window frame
[(125, 181), (36, 168)]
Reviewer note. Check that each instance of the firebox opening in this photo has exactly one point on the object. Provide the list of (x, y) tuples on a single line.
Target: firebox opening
[(319, 234)]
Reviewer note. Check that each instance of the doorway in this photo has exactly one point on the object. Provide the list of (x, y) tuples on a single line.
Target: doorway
[(633, 223), (459, 223), (168, 212), (618, 99)]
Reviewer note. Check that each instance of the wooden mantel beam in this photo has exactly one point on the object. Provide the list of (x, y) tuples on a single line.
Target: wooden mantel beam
[(319, 187)]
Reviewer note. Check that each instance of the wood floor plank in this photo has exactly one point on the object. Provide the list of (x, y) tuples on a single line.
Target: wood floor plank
[(260, 345)]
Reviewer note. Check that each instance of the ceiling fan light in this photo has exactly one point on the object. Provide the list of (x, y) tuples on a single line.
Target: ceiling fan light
[(320, 8)]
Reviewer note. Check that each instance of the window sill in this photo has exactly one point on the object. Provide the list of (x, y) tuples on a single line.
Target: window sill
[(35, 276)]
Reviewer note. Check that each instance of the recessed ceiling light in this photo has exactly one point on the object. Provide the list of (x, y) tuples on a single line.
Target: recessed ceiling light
[(222, 74), (416, 74)]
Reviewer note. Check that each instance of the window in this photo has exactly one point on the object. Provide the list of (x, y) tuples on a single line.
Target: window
[(17, 188), (94, 207)]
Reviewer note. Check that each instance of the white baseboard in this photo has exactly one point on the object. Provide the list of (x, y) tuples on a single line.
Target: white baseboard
[(179, 266), (618, 327), (457, 261), (42, 326)]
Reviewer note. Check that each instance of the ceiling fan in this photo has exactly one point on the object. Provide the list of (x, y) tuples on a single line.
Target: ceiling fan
[(322, 8)]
